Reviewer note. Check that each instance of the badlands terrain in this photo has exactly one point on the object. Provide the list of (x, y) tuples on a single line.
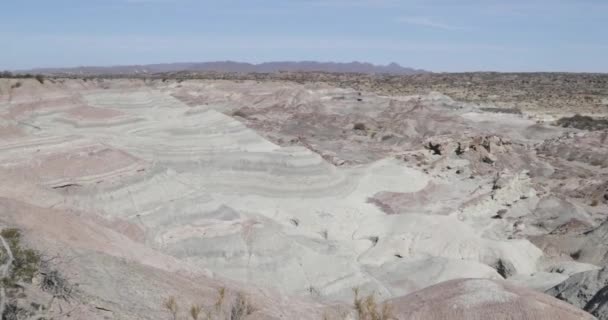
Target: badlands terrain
[(302, 196)]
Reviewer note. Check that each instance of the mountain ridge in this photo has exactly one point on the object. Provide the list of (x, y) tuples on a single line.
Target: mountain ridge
[(236, 67)]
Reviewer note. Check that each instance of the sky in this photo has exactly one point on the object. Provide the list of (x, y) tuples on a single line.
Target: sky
[(436, 35)]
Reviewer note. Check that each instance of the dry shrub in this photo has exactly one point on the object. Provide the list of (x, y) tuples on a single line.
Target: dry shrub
[(239, 113), (238, 309), (195, 311), (241, 308), (171, 305), (40, 78), (219, 303), (583, 123), (55, 284), (26, 262), (368, 308), (359, 126)]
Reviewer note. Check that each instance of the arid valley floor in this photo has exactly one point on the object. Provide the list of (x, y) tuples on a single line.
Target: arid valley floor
[(440, 196)]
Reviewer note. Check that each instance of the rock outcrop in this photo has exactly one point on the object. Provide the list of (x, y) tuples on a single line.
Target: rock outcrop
[(587, 290)]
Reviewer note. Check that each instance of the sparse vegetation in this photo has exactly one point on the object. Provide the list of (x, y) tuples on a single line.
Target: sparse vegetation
[(16, 85), (54, 283), (221, 295), (18, 267), (502, 110), (40, 78), (9, 75), (368, 309), (25, 262), (239, 113), (238, 309), (435, 148), (171, 305), (583, 123), (359, 126), (195, 311), (387, 137)]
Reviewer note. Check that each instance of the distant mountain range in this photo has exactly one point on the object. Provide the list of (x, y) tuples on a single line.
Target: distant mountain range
[(236, 67)]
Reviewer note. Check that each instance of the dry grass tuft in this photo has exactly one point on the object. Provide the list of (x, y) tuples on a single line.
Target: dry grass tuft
[(171, 305), (368, 308), (221, 295), (241, 308), (238, 309), (195, 311)]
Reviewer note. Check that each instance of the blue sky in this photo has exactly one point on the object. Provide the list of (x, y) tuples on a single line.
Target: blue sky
[(437, 35)]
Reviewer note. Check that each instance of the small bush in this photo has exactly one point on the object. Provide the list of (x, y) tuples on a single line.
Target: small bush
[(13, 312), (221, 295), (195, 311), (239, 113), (240, 308), (503, 110), (583, 123), (55, 284), (368, 309), (26, 262), (387, 137), (171, 305), (359, 126), (40, 78), (16, 85)]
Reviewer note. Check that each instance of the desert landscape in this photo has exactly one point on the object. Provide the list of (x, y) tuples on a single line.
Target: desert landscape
[(301, 195)]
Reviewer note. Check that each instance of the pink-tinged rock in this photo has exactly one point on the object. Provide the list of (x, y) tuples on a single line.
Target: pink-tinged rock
[(482, 299)]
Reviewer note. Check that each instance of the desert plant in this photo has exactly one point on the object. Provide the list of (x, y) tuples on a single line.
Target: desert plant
[(359, 126), (368, 309), (171, 305), (25, 262), (583, 122), (239, 113), (219, 303), (195, 311), (16, 85), (55, 284), (387, 137), (40, 78), (19, 266), (240, 308)]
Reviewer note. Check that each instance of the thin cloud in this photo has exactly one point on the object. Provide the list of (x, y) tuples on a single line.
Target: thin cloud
[(201, 42), (427, 22), (354, 3)]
